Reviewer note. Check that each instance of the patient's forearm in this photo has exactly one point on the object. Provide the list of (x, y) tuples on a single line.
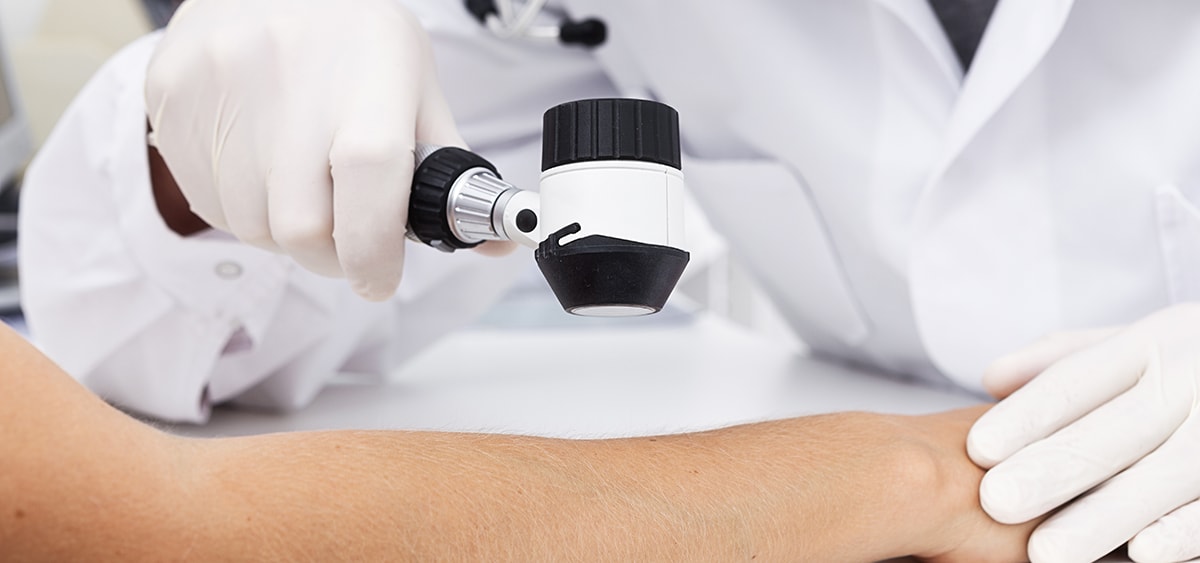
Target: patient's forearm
[(829, 489), (81, 481)]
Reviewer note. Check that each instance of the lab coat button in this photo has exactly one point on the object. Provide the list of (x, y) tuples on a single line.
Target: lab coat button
[(228, 270)]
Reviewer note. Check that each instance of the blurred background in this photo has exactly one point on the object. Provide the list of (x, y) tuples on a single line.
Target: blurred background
[(54, 46), (50, 49)]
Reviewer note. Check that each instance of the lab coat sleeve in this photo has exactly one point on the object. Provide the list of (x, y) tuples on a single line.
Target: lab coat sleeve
[(137, 313)]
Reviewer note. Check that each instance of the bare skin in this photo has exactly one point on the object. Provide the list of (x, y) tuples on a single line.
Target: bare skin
[(171, 203), (79, 480)]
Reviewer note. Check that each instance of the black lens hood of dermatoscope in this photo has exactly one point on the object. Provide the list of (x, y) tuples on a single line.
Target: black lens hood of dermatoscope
[(431, 185), (599, 271), (610, 129)]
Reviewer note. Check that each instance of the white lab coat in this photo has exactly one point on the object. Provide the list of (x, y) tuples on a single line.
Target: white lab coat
[(898, 216)]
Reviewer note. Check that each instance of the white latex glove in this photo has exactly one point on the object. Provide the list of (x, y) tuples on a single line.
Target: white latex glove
[(292, 123), (1109, 415)]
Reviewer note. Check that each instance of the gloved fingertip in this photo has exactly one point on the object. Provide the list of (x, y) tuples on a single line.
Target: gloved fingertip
[(374, 292), (326, 270), (1001, 497), (496, 248), (1150, 546), (982, 446), (1045, 548), (373, 275), (1005, 375), (1147, 552)]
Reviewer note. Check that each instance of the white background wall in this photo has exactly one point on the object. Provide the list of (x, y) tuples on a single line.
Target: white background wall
[(56, 45), (19, 18)]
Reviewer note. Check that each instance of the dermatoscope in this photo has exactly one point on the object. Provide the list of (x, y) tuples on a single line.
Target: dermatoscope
[(607, 221)]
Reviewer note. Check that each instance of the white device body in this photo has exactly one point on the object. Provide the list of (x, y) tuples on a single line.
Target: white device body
[(459, 201), (626, 199)]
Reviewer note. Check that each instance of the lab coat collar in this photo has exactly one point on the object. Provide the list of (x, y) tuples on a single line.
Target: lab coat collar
[(947, 291), (918, 16), (1017, 38)]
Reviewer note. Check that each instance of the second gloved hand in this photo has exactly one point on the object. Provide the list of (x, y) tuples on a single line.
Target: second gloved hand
[(292, 123), (1108, 430)]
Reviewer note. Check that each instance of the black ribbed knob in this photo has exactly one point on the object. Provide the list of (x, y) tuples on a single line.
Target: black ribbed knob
[(610, 129), (431, 185)]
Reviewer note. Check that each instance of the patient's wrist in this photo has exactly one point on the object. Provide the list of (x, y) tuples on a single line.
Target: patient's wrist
[(908, 477), (947, 504)]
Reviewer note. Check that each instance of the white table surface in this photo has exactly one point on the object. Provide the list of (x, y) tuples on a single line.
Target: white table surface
[(613, 378)]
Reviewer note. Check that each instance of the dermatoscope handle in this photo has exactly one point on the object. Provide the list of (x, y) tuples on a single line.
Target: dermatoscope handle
[(458, 201)]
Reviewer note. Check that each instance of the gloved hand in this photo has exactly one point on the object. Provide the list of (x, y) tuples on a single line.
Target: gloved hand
[(1115, 408), (292, 123)]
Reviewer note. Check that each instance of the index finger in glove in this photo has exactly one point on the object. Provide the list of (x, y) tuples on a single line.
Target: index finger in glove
[(1060, 395), (1111, 438)]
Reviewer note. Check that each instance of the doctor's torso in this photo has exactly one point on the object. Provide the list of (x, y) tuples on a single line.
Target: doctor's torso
[(905, 217), (898, 214)]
